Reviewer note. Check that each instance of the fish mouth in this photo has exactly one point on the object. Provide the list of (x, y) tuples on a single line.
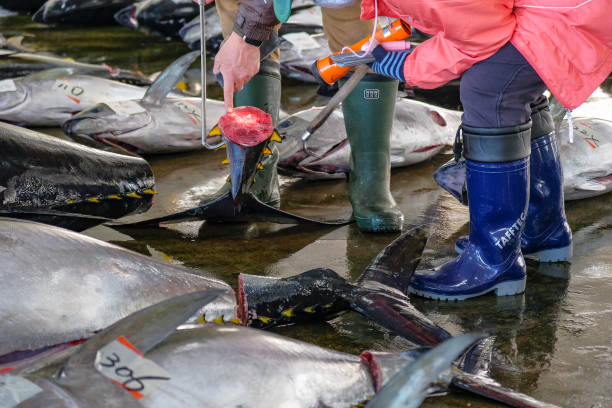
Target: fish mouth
[(127, 17)]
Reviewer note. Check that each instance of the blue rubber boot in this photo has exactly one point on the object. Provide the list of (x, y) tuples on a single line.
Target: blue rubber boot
[(498, 195), (547, 236)]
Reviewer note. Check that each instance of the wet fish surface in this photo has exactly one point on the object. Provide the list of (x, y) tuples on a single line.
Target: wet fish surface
[(50, 97), (153, 124), (79, 12), (44, 177), (420, 131), (165, 17), (60, 286)]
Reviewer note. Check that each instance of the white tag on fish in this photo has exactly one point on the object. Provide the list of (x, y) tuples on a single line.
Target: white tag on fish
[(14, 390), (193, 112), (127, 367), (127, 108), (7, 85), (301, 41)]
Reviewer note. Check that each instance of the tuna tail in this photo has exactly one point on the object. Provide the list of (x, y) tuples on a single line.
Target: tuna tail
[(409, 387), (380, 291), (451, 177), (168, 79), (239, 204), (321, 294)]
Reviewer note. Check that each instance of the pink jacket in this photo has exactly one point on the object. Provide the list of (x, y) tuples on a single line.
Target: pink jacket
[(568, 42)]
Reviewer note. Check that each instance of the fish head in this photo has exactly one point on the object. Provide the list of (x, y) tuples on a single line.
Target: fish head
[(127, 16), (53, 10), (169, 11), (109, 120), (12, 94)]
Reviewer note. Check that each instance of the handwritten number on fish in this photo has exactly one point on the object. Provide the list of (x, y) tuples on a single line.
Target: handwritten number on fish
[(63, 85), (122, 363)]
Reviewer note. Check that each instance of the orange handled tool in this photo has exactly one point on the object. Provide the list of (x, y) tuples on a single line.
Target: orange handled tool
[(326, 71)]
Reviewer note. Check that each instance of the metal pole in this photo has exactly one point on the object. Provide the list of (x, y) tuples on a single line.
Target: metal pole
[(203, 67)]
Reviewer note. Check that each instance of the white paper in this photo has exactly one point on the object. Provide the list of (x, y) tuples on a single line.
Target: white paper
[(7, 85), (302, 41), (14, 390), (129, 369), (126, 107)]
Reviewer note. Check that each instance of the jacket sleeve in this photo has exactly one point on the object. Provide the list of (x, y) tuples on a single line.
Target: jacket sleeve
[(255, 19)]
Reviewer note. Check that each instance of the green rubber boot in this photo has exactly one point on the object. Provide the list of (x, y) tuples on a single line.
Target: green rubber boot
[(263, 91), (368, 116)]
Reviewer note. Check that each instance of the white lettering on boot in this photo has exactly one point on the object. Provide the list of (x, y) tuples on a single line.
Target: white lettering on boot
[(511, 231)]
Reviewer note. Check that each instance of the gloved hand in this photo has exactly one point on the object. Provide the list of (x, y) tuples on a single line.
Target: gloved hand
[(389, 63)]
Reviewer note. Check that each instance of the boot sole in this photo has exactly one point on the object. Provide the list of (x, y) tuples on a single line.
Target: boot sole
[(506, 288), (552, 255), (546, 255)]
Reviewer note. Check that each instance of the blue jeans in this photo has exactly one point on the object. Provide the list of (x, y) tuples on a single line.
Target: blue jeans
[(498, 91)]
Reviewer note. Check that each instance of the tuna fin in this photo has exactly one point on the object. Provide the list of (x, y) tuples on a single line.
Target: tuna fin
[(168, 79), (253, 209), (380, 291), (477, 360), (145, 328), (408, 388), (267, 47), (223, 209), (451, 177), (394, 265), (394, 311), (489, 388), (71, 221), (591, 185)]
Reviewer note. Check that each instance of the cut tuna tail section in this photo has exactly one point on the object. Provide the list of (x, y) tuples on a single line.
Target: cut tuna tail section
[(321, 294), (408, 388), (168, 79)]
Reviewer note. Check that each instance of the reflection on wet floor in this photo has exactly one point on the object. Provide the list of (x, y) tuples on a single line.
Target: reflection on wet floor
[(553, 341)]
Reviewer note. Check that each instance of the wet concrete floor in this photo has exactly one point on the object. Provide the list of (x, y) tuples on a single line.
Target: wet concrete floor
[(553, 342)]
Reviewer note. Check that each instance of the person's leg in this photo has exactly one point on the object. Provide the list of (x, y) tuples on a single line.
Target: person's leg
[(547, 236), (496, 95), (262, 91), (368, 116)]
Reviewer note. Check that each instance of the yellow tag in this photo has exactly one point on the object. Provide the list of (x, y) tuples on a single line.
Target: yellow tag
[(93, 200), (216, 131), (133, 195), (275, 137)]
